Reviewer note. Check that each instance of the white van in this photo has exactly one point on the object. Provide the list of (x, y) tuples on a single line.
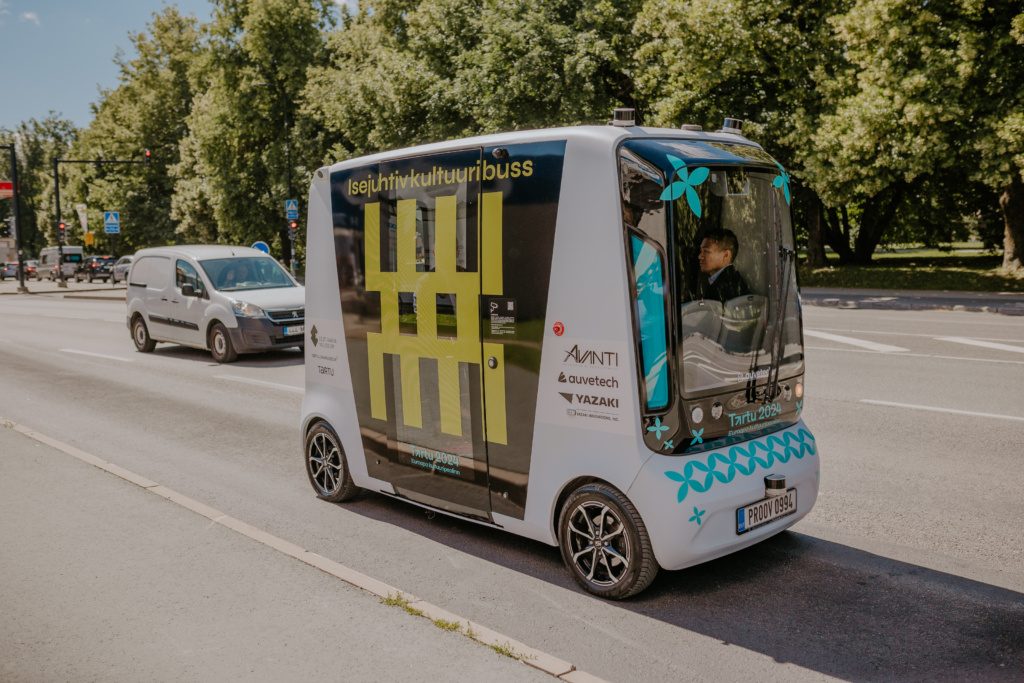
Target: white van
[(49, 256), (229, 300), (587, 336)]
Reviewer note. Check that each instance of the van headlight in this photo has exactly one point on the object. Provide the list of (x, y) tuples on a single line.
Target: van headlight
[(245, 310)]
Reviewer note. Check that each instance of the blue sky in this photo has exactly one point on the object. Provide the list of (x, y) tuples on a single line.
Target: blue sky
[(57, 54)]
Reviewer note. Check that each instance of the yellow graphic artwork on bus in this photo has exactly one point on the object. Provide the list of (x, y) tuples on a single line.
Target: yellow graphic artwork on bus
[(467, 287)]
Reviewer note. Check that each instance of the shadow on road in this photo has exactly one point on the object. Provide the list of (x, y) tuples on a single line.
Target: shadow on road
[(268, 359), (820, 605)]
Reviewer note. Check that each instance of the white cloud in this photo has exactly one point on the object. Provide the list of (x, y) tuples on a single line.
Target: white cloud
[(30, 16), (4, 12)]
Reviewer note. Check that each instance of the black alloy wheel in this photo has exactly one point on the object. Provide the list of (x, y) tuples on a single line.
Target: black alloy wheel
[(327, 467), (604, 543)]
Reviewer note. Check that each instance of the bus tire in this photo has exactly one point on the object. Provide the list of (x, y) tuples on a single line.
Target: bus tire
[(326, 465), (604, 543)]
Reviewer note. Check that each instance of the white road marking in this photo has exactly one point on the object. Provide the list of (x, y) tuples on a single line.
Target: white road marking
[(919, 355), (954, 318), (121, 359), (911, 334), (934, 409), (863, 343), (261, 383), (983, 344)]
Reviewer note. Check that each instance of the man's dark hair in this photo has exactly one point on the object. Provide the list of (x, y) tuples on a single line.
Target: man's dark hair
[(725, 238)]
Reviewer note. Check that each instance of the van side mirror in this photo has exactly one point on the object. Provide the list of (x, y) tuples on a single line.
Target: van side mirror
[(188, 290)]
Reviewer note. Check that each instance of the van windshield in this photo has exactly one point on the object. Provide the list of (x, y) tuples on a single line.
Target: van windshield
[(718, 216), (245, 272)]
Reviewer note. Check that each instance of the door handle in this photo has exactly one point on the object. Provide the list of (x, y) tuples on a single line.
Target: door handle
[(492, 362)]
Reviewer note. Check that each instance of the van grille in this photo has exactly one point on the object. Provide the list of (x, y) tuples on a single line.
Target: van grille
[(289, 315)]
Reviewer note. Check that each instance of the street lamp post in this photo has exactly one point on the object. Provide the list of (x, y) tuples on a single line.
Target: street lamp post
[(14, 215)]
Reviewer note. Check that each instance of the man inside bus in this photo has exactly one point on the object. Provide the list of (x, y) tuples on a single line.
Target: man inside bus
[(719, 280)]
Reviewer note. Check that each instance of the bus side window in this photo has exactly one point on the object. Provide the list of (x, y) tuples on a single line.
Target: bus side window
[(649, 282)]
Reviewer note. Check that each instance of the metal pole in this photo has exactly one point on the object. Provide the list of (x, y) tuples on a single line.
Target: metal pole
[(56, 225), (12, 148)]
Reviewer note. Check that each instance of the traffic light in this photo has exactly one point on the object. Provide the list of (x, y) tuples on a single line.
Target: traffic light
[(148, 154), (61, 228), (293, 227)]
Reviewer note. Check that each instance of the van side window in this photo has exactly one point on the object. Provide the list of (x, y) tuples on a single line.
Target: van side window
[(185, 274), (649, 282)]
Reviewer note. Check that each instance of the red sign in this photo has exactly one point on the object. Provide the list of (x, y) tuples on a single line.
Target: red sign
[(6, 189)]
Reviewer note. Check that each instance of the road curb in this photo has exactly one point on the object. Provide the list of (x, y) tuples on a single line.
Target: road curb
[(538, 659)]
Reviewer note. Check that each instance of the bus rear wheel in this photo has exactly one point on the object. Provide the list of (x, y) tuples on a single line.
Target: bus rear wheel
[(327, 467), (604, 543)]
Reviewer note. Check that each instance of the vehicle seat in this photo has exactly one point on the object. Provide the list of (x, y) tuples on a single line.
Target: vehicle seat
[(703, 317), (741, 318)]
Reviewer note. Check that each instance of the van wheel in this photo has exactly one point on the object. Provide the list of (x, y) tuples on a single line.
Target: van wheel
[(140, 335), (220, 344), (604, 543), (326, 466)]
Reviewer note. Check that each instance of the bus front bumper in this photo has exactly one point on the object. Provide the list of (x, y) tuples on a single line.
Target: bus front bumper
[(689, 503)]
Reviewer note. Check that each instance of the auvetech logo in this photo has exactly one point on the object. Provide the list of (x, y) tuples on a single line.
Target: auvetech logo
[(312, 335)]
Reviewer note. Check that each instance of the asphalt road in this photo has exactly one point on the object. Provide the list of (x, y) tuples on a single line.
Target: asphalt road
[(910, 567)]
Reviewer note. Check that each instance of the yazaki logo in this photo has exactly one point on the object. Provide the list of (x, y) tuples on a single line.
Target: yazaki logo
[(558, 328)]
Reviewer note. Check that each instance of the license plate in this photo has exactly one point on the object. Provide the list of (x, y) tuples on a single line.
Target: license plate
[(294, 329), (766, 510)]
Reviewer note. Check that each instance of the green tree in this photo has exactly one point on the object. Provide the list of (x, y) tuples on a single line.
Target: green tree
[(147, 110), (247, 150), (763, 62), (403, 73), (37, 143), (904, 134)]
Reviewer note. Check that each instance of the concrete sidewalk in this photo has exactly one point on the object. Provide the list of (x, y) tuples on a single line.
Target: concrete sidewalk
[(74, 290), (1006, 303), (104, 581)]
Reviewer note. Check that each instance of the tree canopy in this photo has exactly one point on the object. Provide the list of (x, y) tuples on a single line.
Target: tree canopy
[(897, 120)]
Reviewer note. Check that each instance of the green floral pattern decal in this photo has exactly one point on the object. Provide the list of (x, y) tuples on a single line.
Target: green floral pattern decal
[(686, 181), (782, 181), (742, 459)]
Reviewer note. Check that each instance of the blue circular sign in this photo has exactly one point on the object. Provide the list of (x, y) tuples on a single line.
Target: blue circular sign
[(262, 246)]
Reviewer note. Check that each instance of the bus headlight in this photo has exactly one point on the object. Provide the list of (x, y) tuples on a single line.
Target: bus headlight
[(696, 415), (799, 391)]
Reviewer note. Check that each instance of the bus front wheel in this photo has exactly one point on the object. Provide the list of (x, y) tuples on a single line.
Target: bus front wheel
[(604, 543)]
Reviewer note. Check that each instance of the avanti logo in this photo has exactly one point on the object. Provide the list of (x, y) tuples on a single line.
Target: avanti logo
[(591, 357)]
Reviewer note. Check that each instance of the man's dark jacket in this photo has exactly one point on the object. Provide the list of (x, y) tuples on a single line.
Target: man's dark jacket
[(728, 285)]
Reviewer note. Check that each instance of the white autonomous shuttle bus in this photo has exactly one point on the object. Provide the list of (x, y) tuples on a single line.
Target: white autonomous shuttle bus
[(588, 336)]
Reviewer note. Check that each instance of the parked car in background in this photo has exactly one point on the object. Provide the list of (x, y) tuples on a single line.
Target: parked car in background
[(32, 269), (119, 273), (9, 270), (94, 268)]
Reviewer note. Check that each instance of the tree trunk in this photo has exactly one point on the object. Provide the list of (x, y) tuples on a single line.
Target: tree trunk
[(1012, 204), (835, 237), (815, 233), (875, 220)]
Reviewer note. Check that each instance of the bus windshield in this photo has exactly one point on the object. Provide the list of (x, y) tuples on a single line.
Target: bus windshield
[(721, 224)]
